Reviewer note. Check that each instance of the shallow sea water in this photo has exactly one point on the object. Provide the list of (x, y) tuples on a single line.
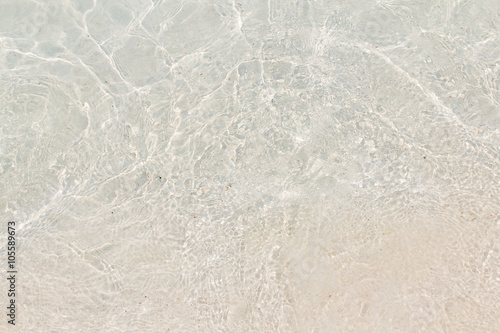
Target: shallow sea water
[(251, 166)]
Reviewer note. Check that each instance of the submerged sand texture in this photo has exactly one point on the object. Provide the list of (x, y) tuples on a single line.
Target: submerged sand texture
[(251, 166)]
